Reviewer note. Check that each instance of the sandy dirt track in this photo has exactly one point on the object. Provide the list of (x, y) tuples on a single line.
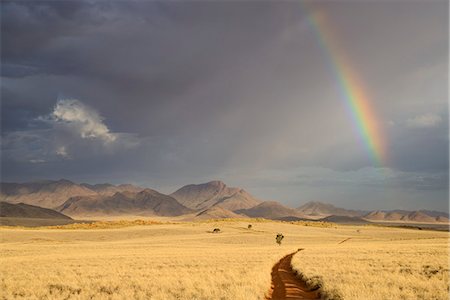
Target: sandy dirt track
[(285, 283)]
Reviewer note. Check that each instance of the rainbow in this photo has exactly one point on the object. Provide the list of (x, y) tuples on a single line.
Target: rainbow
[(350, 87)]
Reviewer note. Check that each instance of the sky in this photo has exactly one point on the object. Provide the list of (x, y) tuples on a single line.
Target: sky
[(163, 94)]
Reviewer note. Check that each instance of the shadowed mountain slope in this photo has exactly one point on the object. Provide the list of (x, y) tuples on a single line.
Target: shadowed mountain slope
[(344, 220), (22, 210)]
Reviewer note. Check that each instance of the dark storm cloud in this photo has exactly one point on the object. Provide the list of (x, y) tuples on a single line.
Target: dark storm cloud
[(226, 90), (29, 28), (148, 53)]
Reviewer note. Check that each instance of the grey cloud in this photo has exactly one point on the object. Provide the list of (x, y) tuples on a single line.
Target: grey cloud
[(424, 121), (74, 131)]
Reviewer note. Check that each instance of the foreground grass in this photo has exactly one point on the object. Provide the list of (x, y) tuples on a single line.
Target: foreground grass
[(186, 261), (388, 267), (178, 261)]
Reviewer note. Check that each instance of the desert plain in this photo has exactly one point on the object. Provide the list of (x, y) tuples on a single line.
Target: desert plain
[(186, 260)]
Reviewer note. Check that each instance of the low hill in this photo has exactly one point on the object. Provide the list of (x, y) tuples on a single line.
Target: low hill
[(442, 219), (216, 212), (344, 220), (270, 210), (29, 215), (404, 216), (331, 219), (143, 203), (22, 210), (318, 209), (375, 215), (385, 215), (417, 216), (434, 213), (206, 195)]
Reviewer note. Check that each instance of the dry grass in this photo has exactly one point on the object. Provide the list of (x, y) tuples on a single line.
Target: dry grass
[(185, 261), (379, 264), (178, 261)]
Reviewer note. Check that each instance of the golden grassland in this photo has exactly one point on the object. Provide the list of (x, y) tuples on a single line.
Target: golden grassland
[(379, 263), (157, 260)]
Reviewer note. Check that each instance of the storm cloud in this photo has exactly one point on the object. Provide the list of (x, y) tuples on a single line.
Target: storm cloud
[(168, 93)]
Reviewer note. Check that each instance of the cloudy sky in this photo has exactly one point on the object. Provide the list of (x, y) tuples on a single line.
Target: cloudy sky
[(164, 94)]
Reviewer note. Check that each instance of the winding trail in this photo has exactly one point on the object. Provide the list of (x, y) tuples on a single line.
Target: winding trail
[(286, 284)]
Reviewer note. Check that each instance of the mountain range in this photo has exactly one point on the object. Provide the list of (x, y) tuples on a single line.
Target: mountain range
[(147, 202), (406, 216), (51, 193), (316, 209), (211, 200)]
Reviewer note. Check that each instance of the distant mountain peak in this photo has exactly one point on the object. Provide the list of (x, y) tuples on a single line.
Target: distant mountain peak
[(217, 183), (65, 181), (270, 204), (318, 203), (97, 186), (206, 195), (147, 191)]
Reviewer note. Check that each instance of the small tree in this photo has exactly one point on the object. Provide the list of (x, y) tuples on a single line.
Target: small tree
[(279, 238), (249, 226), (216, 230)]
